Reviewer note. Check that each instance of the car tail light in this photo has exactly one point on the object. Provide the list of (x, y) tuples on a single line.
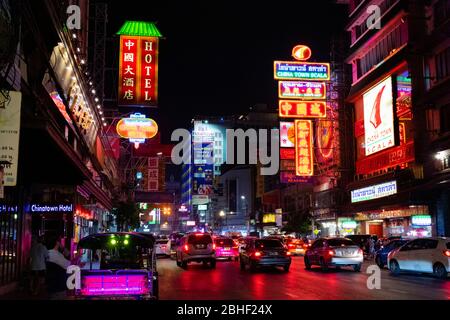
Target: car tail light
[(331, 252), (214, 246), (447, 253), (290, 245), (186, 247), (257, 254), (288, 253), (360, 252)]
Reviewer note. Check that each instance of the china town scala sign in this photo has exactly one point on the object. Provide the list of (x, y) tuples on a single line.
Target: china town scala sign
[(137, 128)]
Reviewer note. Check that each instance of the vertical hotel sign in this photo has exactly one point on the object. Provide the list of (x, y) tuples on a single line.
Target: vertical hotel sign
[(138, 65), (304, 164)]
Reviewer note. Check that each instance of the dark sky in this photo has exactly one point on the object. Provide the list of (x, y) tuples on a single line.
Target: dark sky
[(217, 56)]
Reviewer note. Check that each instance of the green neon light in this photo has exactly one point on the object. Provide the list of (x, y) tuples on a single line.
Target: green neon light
[(113, 242), (139, 28), (125, 242)]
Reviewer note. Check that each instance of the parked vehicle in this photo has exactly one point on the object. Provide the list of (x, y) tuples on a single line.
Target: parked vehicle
[(118, 265), (196, 247), (425, 255), (382, 253), (162, 247), (264, 252), (337, 252)]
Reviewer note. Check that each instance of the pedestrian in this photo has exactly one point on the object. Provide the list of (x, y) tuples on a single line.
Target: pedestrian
[(38, 257), (57, 266), (371, 248)]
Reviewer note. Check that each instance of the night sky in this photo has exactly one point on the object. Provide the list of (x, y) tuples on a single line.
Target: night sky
[(216, 57)]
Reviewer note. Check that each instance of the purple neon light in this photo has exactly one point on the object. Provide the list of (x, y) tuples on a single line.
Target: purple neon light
[(115, 285)]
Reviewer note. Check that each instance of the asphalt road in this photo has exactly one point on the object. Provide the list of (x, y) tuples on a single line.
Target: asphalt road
[(228, 282)]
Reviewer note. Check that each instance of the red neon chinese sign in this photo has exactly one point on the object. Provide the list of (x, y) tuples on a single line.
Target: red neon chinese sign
[(302, 109), (301, 52), (138, 71), (301, 90), (83, 213), (304, 165)]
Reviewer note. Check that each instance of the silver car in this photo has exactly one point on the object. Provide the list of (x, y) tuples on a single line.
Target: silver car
[(196, 247)]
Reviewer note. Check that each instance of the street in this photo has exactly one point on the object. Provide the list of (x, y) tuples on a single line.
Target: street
[(228, 282)]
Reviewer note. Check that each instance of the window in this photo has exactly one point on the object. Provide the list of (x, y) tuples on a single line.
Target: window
[(429, 244), (445, 118), (265, 244), (441, 12), (340, 242), (317, 244), (442, 61)]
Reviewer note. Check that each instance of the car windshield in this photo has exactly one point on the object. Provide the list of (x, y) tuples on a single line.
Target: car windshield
[(199, 239), (260, 244), (340, 242), (224, 242)]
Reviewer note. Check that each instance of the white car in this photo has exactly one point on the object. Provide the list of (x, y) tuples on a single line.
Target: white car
[(162, 247), (426, 255)]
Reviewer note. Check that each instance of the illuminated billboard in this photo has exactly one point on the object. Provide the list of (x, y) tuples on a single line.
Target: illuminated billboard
[(292, 70), (302, 109), (137, 128), (287, 134), (379, 118), (301, 52), (138, 71), (301, 90), (374, 192), (304, 165)]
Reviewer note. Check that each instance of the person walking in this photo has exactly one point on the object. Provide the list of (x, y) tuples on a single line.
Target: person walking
[(57, 266), (38, 257)]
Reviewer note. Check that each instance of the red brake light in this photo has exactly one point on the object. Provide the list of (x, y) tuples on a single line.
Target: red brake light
[(331, 253), (198, 234), (288, 253), (257, 254), (447, 253), (186, 247), (214, 246)]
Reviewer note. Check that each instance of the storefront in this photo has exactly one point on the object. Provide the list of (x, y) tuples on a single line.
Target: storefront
[(325, 223), (347, 226), (412, 221)]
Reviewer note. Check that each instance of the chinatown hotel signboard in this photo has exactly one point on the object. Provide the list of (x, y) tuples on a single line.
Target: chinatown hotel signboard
[(138, 64)]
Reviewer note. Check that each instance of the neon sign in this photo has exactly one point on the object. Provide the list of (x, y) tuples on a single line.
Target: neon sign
[(301, 52), (302, 109), (301, 89), (291, 70), (137, 128), (304, 165), (374, 192)]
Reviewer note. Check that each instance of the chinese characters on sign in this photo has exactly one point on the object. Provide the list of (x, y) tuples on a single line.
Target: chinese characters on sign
[(301, 89), (302, 109), (304, 165), (287, 135), (9, 133), (138, 71)]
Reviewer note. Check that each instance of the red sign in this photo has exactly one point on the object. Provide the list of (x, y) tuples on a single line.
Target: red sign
[(301, 52), (83, 213), (287, 154), (287, 165), (302, 109), (137, 128), (138, 71), (301, 90), (387, 159), (304, 165)]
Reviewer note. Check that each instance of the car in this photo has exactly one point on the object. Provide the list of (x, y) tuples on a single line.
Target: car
[(117, 265), (424, 255), (174, 242), (296, 246), (196, 247), (226, 248), (162, 247), (264, 252), (382, 254), (337, 252), (360, 239)]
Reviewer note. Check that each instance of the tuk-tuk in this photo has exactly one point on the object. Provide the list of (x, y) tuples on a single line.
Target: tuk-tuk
[(118, 265)]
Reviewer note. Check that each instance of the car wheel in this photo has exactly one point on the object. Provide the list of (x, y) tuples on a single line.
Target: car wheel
[(394, 268), (357, 267), (307, 263), (439, 271), (184, 264), (378, 262), (286, 268), (323, 265), (213, 264), (242, 264), (252, 266)]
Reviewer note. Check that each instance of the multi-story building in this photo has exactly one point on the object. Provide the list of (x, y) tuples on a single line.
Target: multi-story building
[(59, 172), (399, 96)]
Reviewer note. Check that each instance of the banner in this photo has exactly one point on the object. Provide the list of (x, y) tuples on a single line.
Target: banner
[(10, 134), (302, 109)]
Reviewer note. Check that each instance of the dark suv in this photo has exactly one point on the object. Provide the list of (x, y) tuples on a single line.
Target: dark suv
[(264, 252), (196, 247)]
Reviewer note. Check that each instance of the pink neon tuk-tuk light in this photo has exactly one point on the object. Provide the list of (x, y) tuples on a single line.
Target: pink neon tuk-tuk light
[(115, 285)]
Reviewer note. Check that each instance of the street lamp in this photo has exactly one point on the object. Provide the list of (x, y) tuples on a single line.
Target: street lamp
[(222, 213)]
